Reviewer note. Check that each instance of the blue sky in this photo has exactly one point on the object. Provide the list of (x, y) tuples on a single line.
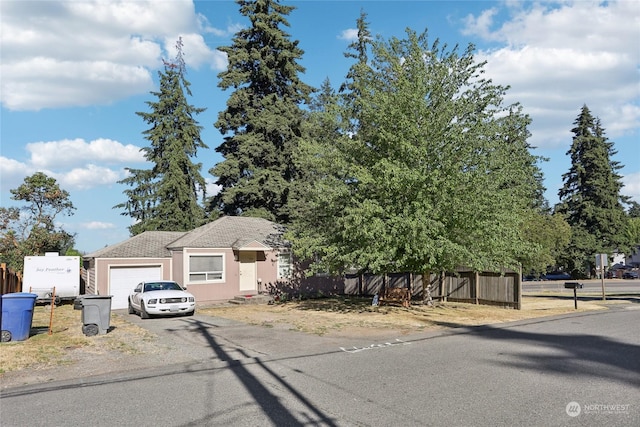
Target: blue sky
[(75, 72)]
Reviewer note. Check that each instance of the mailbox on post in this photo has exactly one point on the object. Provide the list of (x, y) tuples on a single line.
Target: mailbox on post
[(574, 286)]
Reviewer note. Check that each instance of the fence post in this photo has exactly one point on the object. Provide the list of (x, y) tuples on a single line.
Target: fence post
[(476, 278), (519, 288), (3, 277), (10, 281)]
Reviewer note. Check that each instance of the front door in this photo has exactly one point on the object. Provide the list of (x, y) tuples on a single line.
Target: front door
[(248, 281)]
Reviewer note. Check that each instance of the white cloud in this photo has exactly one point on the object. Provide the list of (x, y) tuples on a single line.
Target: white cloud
[(88, 177), (206, 27), (632, 186), (349, 34), (12, 174), (211, 187), (196, 52), (72, 152), (55, 158), (96, 225), (78, 53), (559, 56), (481, 25), (10, 166), (38, 83)]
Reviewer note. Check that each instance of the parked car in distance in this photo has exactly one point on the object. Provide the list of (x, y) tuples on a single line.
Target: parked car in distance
[(161, 297), (631, 275), (557, 276)]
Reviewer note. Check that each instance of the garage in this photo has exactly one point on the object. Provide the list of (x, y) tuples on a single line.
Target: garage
[(123, 279)]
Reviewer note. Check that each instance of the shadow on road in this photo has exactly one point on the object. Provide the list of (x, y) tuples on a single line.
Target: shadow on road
[(269, 403), (579, 354)]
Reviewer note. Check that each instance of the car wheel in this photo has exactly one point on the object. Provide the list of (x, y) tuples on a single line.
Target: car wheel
[(131, 310), (143, 312)]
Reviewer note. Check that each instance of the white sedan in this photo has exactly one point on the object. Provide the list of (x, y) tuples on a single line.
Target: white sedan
[(161, 297)]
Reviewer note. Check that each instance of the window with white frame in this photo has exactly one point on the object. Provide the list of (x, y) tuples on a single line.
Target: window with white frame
[(206, 268), (284, 265)]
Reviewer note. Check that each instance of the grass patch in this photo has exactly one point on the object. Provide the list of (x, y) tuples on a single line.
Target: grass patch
[(61, 347), (354, 315)]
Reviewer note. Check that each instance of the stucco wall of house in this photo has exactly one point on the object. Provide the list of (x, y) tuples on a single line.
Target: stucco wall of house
[(267, 268), (216, 291), (178, 268), (229, 286)]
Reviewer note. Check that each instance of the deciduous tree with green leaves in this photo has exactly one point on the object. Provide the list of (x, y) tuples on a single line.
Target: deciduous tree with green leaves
[(35, 231), (263, 122), (168, 196), (590, 197), (550, 234), (437, 173), (632, 231)]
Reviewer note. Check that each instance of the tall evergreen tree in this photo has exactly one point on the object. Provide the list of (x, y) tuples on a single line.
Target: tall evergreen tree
[(590, 197), (263, 122), (166, 197), (352, 89)]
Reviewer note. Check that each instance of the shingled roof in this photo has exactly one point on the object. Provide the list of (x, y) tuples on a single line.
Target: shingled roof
[(225, 232), (230, 232), (150, 244)]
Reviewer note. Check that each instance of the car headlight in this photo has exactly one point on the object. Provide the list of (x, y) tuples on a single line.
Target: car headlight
[(192, 299), (153, 301), (163, 300), (183, 299)]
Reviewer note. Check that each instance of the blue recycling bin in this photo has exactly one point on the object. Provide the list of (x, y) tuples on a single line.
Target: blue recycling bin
[(17, 315)]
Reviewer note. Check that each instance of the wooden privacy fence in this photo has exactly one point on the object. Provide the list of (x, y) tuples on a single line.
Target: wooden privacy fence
[(463, 285), (10, 281)]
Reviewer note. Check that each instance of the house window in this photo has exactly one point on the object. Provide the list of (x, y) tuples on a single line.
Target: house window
[(284, 265), (206, 268)]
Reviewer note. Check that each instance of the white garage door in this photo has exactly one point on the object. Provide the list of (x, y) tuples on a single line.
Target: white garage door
[(123, 279)]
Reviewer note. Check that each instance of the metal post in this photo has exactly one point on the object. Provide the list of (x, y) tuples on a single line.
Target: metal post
[(575, 298), (602, 280)]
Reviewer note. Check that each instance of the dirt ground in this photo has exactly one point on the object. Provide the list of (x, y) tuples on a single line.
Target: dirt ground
[(356, 316), (67, 353)]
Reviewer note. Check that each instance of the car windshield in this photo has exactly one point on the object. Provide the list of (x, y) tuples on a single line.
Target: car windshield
[(162, 286)]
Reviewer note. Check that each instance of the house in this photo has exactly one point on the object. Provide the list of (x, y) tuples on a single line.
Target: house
[(633, 259), (222, 259)]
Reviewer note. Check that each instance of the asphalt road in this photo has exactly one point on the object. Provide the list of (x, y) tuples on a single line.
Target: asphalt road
[(577, 369), (612, 287)]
